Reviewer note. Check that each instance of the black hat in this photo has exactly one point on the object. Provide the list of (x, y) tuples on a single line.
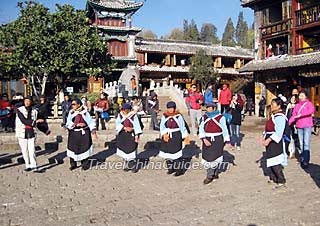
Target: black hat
[(126, 106), (171, 104), (211, 104), (28, 98)]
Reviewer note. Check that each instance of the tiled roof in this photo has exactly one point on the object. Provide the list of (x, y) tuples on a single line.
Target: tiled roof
[(180, 69), (117, 29), (150, 68), (124, 58), (117, 4), (282, 62), (190, 48)]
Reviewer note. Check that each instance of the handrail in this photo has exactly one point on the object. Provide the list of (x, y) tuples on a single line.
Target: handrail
[(308, 15)]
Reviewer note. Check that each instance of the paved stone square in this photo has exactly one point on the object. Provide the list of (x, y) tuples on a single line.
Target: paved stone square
[(241, 196)]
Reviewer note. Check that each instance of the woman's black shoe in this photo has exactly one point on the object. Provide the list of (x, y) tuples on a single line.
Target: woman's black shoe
[(72, 168)]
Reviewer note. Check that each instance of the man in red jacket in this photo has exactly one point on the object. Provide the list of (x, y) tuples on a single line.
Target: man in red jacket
[(194, 102), (225, 98)]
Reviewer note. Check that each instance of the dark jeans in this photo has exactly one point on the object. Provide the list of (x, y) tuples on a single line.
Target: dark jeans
[(277, 175), (224, 108), (102, 121), (154, 121), (64, 117)]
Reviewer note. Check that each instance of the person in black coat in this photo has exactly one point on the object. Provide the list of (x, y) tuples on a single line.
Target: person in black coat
[(43, 113), (262, 106), (236, 109)]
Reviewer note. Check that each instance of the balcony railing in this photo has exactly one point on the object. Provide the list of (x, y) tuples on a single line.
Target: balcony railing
[(310, 49), (275, 28), (308, 15)]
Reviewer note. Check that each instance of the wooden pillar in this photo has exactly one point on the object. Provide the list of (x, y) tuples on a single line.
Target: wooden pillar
[(146, 58), (294, 22)]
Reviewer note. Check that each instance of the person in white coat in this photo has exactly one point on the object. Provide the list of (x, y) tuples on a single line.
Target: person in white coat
[(26, 120)]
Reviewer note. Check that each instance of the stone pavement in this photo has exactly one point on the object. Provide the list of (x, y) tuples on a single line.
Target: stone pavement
[(103, 196)]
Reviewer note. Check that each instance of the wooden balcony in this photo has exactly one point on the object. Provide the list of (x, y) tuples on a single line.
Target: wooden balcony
[(308, 16), (310, 49), (276, 28)]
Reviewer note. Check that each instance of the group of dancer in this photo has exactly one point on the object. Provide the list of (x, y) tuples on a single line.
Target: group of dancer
[(174, 131)]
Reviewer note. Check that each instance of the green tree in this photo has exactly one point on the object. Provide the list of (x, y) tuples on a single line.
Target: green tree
[(241, 33), (175, 34), (190, 31), (228, 34), (148, 34), (209, 33), (250, 38), (52, 46), (202, 69)]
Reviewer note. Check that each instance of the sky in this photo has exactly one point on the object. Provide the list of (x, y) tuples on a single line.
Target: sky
[(160, 16)]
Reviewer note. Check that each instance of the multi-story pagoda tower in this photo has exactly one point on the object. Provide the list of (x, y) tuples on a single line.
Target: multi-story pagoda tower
[(114, 20)]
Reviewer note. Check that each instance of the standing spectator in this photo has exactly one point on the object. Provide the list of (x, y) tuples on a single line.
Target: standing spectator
[(283, 49), (133, 85), (6, 113), (225, 98), (269, 51), (153, 110), (145, 92), (100, 106), (250, 106), (26, 120), (302, 117), (66, 107), (277, 51), (137, 108), (194, 102), (236, 109), (86, 103), (115, 107), (185, 93), (262, 106), (294, 141), (43, 113), (208, 95)]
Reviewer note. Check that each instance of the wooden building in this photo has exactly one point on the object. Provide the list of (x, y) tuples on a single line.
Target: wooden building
[(287, 41), (113, 18), (169, 59)]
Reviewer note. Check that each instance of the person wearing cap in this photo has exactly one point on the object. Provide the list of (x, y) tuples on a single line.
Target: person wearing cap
[(128, 132), (194, 102), (81, 127), (26, 120), (214, 134), (173, 131), (101, 105)]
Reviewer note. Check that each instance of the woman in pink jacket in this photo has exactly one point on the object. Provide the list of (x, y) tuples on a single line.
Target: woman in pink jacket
[(302, 118)]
